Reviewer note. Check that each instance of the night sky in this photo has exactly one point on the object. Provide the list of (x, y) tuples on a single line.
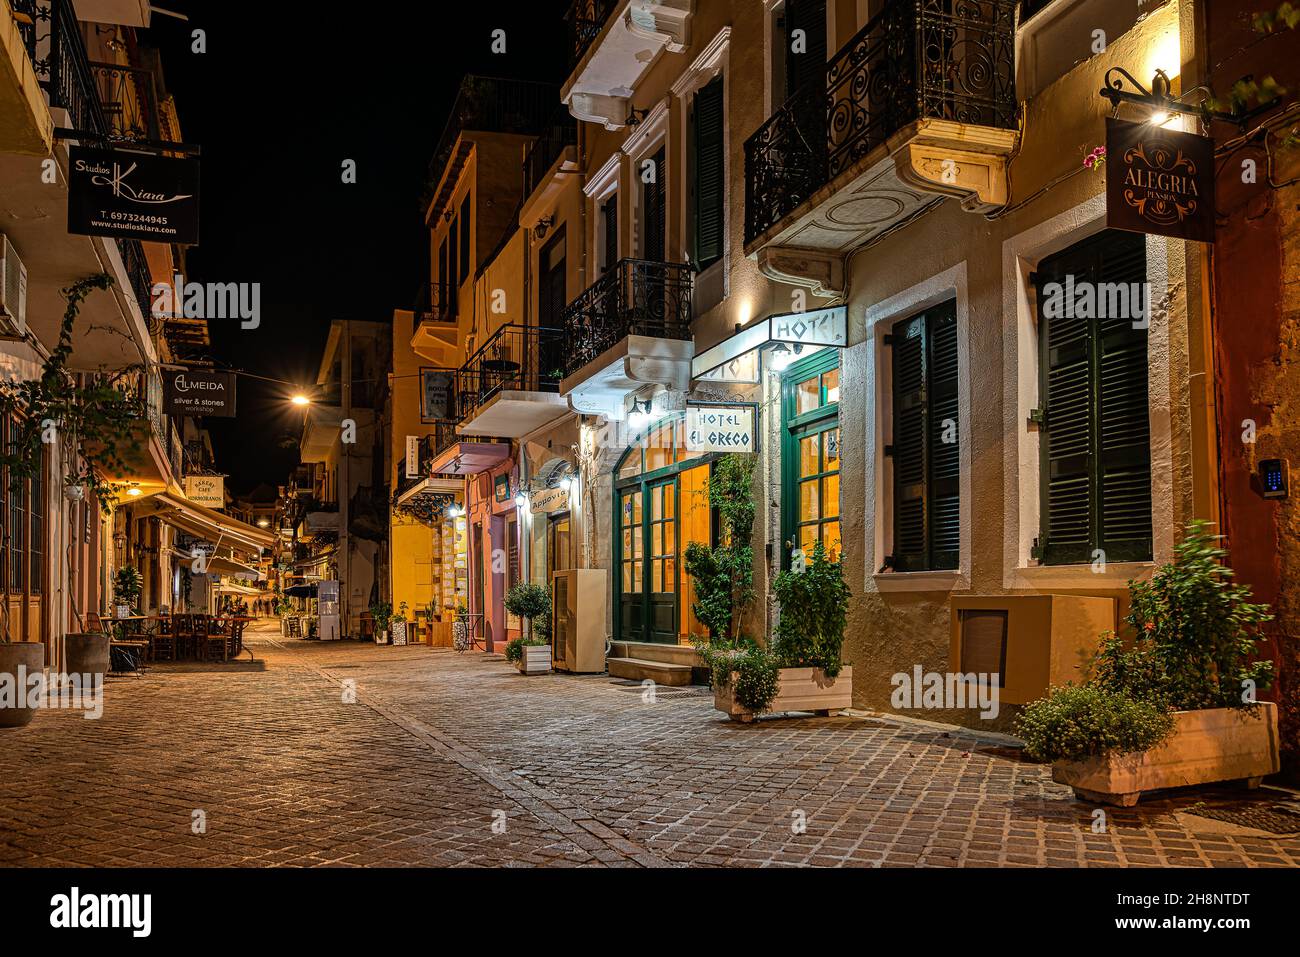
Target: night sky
[(284, 94)]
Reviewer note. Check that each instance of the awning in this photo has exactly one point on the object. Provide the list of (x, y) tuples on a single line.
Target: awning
[(230, 588), (735, 359), (301, 591), (178, 511), (434, 486), (217, 565), (469, 458)]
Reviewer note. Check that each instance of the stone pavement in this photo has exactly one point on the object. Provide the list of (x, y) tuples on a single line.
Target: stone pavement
[(352, 755)]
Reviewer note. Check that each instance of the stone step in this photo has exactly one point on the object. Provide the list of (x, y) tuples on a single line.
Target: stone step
[(653, 651), (639, 669)]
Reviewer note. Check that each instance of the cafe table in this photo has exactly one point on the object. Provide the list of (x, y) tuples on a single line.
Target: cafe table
[(124, 648)]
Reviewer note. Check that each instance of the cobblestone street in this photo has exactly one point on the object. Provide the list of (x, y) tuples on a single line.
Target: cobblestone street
[(282, 769)]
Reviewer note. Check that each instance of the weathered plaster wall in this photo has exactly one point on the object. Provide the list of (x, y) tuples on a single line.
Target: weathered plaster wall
[(899, 621), (1256, 282)]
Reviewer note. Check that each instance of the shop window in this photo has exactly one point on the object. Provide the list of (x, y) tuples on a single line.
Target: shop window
[(810, 461)]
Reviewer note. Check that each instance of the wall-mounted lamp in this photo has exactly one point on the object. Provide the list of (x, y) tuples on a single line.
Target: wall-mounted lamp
[(780, 358), (639, 414), (635, 117), (542, 226), (521, 499), (1159, 102)]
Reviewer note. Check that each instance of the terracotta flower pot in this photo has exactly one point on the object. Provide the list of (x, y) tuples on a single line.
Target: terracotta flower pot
[(29, 656)]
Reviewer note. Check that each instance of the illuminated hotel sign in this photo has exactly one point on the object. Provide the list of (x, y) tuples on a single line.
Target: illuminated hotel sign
[(720, 428), (735, 359), (1159, 181)]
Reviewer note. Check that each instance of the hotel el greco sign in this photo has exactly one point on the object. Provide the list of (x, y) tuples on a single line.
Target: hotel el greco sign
[(1159, 181)]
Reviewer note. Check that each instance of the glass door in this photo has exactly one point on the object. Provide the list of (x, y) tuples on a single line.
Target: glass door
[(632, 598), (649, 570), (661, 572)]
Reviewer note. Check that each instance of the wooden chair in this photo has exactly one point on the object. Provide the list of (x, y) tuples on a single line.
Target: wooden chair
[(183, 635), (214, 646), (95, 624), (162, 643)]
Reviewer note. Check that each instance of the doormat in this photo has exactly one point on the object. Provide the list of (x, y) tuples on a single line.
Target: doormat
[(1274, 818)]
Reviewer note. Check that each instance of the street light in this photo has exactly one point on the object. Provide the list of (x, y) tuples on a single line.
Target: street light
[(300, 399)]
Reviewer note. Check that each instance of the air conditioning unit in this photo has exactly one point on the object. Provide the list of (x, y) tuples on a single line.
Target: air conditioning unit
[(1031, 642), (578, 620), (13, 292)]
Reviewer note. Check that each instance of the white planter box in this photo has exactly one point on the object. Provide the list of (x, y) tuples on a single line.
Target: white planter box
[(1216, 744), (536, 660), (798, 689)]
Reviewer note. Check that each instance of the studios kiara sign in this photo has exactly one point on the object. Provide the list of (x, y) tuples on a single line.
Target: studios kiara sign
[(127, 195), (1159, 181)]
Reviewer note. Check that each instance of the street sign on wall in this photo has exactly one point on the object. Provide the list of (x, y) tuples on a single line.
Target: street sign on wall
[(1159, 181), (720, 428), (412, 456), (206, 490), (436, 387), (200, 393), (550, 500), (127, 195)]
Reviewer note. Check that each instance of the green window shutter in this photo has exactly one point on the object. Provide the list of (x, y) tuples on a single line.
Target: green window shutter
[(910, 537), (655, 239), (1095, 444), (611, 231), (709, 184), (1124, 423), (944, 498)]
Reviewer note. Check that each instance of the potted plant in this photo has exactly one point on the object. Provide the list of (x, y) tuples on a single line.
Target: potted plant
[(382, 613), (397, 625), (1177, 706), (460, 634), (530, 653), (20, 663), (127, 586)]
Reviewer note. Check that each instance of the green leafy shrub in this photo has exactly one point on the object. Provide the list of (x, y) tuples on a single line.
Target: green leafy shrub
[(723, 575), (128, 583), (515, 650), (1196, 646), (382, 613), (750, 669), (1202, 630), (530, 602), (1077, 722), (814, 612)]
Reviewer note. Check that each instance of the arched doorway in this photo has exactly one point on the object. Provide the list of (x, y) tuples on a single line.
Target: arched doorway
[(661, 504)]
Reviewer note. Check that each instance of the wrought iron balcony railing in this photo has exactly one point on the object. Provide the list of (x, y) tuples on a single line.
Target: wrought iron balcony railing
[(492, 104), (435, 302), (73, 84), (515, 358), (916, 59), (561, 133), (25, 16), (586, 18), (635, 298)]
